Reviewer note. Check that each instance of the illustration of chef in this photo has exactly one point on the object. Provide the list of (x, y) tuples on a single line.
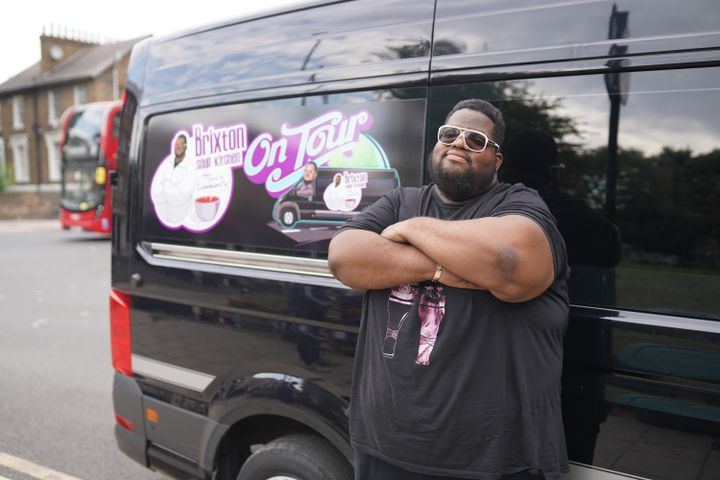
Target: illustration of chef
[(334, 195), (174, 183)]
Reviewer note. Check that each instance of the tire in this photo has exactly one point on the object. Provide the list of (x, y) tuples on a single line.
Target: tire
[(288, 217), (296, 457)]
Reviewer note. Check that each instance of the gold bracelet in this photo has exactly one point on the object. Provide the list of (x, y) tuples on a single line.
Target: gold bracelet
[(438, 273)]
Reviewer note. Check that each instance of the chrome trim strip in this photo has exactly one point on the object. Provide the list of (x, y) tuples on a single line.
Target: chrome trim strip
[(307, 271), (650, 319), (581, 471), (234, 258), (311, 271), (330, 213), (165, 372)]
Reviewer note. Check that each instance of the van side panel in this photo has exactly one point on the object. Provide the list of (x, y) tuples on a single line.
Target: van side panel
[(227, 342)]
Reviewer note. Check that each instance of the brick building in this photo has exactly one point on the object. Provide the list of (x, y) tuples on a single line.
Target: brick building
[(71, 71)]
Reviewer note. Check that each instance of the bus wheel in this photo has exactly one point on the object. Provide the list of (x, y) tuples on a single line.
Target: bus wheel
[(288, 217), (296, 457)]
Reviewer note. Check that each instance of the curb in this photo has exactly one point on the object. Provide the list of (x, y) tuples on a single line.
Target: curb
[(28, 226)]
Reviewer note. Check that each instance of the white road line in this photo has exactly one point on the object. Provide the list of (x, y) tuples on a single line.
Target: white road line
[(3, 478), (29, 468)]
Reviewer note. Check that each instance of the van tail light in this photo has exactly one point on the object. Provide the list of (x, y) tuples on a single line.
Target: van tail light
[(120, 339)]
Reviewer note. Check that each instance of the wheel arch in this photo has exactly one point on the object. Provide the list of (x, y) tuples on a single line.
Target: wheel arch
[(235, 445), (250, 413)]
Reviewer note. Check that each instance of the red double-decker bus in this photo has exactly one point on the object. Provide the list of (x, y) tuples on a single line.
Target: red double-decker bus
[(89, 149)]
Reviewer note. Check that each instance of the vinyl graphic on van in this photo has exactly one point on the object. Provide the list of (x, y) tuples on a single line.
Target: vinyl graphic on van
[(324, 170), (191, 189), (333, 193)]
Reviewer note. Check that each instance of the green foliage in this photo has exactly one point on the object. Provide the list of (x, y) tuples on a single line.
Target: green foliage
[(3, 180)]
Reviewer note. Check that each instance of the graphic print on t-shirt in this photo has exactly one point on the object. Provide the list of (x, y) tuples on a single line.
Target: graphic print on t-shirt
[(431, 311), (399, 303)]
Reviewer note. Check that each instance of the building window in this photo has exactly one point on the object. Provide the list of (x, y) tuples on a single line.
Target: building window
[(18, 112), (79, 95), (52, 143), (21, 160), (53, 108)]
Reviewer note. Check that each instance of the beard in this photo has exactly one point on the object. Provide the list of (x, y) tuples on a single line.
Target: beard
[(462, 186)]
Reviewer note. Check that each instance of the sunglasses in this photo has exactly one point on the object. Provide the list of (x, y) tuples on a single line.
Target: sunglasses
[(474, 141)]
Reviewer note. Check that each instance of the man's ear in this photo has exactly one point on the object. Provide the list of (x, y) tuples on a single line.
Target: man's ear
[(498, 160)]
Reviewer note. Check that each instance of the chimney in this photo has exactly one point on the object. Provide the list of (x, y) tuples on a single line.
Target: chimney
[(57, 45)]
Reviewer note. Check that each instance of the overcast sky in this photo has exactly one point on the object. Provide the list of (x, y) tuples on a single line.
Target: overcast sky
[(23, 22)]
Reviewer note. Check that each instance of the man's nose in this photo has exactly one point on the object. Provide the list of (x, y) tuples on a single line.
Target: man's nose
[(461, 139)]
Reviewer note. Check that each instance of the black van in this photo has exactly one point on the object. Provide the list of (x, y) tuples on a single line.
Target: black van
[(232, 342)]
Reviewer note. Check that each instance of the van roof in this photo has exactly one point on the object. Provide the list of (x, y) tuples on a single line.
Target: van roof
[(299, 47), (268, 12)]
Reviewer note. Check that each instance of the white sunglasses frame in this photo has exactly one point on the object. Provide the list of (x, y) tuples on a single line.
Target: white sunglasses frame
[(462, 134)]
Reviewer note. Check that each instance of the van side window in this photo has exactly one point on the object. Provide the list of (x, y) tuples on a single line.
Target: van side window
[(641, 219), (278, 176)]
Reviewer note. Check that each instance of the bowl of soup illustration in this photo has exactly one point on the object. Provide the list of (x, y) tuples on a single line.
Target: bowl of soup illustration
[(207, 207), (350, 203)]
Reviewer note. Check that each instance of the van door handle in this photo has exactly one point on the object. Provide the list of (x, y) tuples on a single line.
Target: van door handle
[(136, 280)]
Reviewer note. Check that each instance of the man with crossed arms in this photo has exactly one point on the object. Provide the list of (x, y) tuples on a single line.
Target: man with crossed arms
[(459, 355)]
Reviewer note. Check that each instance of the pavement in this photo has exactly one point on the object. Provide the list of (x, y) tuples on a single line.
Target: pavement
[(8, 227)]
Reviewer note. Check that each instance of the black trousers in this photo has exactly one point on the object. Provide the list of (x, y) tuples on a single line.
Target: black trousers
[(368, 467)]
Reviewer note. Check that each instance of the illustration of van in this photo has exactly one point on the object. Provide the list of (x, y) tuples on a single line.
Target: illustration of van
[(334, 195)]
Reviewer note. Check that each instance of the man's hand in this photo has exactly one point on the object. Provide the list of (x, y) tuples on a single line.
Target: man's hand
[(395, 232)]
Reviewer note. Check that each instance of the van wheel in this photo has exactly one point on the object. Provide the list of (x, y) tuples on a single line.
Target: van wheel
[(288, 217), (296, 457)]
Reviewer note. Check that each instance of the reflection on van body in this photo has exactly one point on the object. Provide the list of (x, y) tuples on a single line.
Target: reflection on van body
[(234, 332)]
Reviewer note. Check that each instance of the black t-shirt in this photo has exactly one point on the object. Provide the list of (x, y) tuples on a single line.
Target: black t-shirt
[(455, 382)]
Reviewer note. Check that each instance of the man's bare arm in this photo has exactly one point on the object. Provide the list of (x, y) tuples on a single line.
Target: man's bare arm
[(510, 255), (363, 260)]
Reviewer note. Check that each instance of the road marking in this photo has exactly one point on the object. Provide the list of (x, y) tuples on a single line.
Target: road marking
[(3, 478), (29, 468)]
